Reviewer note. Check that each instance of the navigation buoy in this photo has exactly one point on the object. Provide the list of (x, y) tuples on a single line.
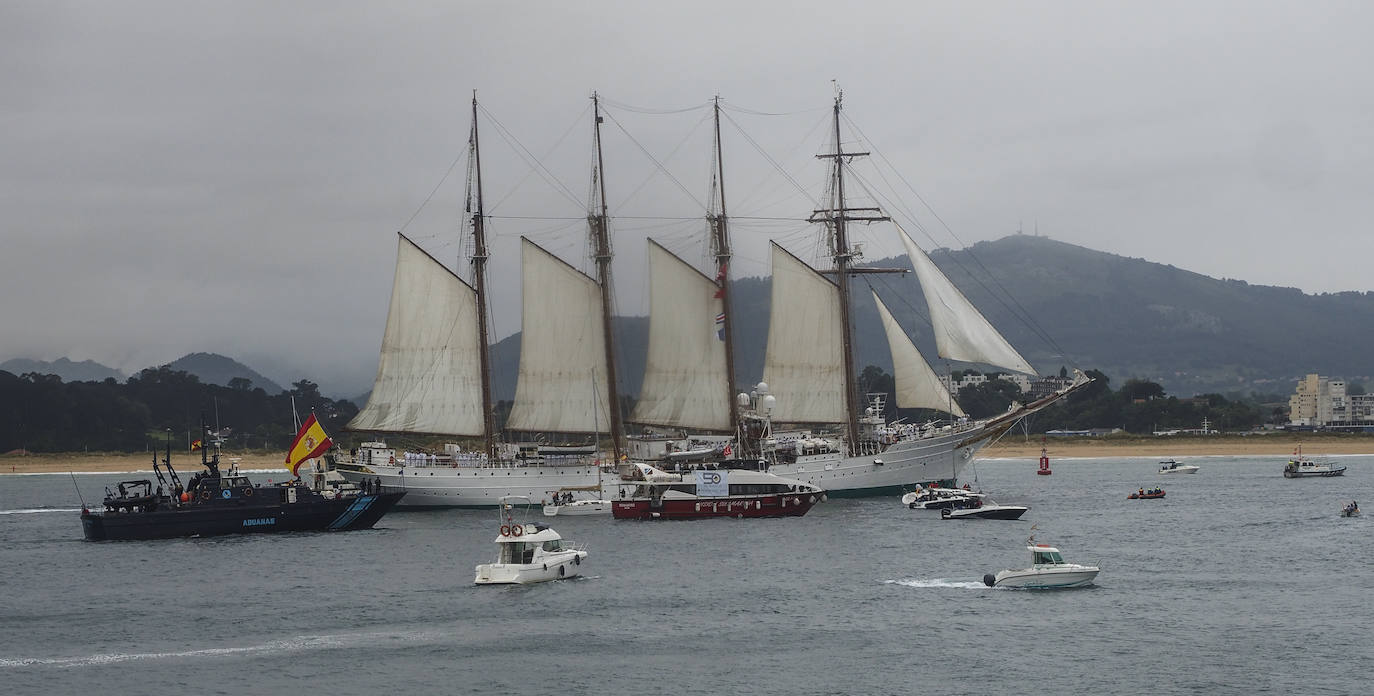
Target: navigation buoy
[(1044, 461)]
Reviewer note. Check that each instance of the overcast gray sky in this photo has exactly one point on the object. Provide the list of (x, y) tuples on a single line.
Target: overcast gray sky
[(229, 176)]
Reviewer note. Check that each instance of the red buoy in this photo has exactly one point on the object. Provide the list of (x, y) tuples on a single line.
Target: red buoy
[(1044, 461)]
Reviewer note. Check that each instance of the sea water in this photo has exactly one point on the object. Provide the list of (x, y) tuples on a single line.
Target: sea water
[(1238, 582)]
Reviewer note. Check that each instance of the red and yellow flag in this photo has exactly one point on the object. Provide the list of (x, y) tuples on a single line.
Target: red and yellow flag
[(195, 445), (310, 442)]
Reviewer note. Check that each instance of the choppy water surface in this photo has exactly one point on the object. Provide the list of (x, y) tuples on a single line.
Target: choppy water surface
[(1238, 582)]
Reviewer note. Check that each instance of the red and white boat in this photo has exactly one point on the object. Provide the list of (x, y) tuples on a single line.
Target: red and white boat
[(702, 493)]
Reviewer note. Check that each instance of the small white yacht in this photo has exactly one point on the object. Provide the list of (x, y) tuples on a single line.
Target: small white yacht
[(529, 553), (984, 510), (1048, 571), (1169, 466), (595, 506), (940, 498)]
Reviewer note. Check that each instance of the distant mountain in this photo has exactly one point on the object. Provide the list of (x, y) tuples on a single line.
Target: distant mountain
[(213, 368), (1066, 305), (69, 371), (1135, 318)]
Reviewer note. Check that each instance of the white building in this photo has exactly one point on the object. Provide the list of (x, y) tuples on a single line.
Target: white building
[(1322, 402)]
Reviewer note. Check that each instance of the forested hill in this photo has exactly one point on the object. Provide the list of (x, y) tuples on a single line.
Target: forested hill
[(1127, 317), (213, 368), (1190, 333), (68, 370)]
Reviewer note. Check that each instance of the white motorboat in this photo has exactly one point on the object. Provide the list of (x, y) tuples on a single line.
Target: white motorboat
[(1303, 467), (1048, 571), (579, 507), (941, 498), (984, 511), (1169, 466), (529, 553)]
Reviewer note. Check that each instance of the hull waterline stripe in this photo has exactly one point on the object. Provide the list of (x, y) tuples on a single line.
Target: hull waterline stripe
[(357, 508)]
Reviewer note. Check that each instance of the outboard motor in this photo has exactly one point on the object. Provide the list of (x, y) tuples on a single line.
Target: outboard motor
[(989, 579)]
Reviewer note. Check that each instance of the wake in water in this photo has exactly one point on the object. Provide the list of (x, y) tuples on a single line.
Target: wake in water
[(30, 511), (287, 645), (939, 582)]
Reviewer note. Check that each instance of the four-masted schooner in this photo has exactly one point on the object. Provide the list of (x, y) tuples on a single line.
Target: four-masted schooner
[(432, 366)]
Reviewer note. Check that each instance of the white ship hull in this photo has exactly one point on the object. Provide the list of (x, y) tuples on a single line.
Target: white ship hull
[(1047, 578), (474, 486), (898, 467), (557, 566)]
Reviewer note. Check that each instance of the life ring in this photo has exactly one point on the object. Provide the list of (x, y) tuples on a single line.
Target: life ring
[(577, 560), (505, 530), (517, 529), (247, 491), (205, 494)]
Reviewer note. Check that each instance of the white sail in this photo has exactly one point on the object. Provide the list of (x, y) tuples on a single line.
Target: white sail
[(961, 331), (429, 379), (685, 381), (562, 349), (804, 364), (917, 385)]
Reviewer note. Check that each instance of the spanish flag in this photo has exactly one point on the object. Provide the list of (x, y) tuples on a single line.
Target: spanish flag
[(310, 442), (195, 445)]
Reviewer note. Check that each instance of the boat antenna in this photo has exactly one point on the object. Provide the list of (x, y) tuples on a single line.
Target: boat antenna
[(78, 490)]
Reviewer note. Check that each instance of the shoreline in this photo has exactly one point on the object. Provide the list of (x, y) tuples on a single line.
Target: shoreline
[(1277, 444)]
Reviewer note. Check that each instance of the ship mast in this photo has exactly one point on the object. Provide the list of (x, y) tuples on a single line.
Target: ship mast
[(720, 239), (836, 217), (479, 281), (601, 244)]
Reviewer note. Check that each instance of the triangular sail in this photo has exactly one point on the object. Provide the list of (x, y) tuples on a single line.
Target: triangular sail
[(917, 385), (804, 365), (562, 349), (961, 331), (685, 381), (429, 377)]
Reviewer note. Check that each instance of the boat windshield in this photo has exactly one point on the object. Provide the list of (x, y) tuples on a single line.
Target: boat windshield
[(1048, 558), (553, 545)]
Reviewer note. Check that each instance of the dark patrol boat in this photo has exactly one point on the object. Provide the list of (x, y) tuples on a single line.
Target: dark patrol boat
[(214, 503)]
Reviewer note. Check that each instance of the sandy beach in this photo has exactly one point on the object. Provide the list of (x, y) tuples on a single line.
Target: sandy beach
[(1277, 444), (1011, 447), (114, 462)]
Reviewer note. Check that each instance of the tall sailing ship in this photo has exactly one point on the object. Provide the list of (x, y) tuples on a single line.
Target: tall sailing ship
[(809, 373), (433, 377)]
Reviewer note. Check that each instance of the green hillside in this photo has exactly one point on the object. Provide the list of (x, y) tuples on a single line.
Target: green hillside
[(1129, 318)]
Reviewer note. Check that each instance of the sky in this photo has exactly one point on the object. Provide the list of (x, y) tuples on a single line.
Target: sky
[(230, 177)]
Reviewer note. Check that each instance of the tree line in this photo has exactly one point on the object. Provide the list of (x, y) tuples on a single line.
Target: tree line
[(41, 413), (1139, 406)]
